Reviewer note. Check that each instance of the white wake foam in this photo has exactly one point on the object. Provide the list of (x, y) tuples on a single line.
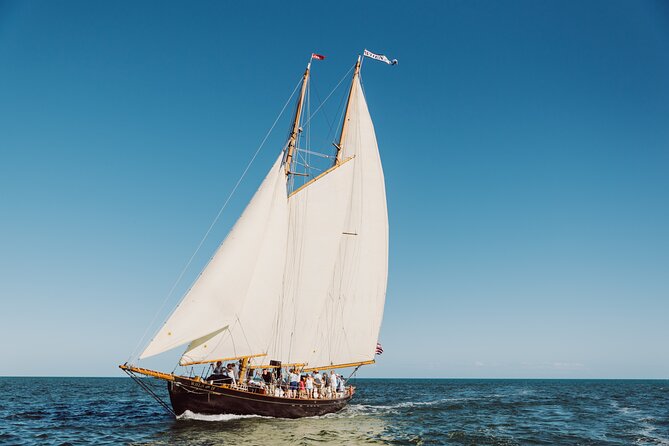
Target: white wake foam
[(188, 415), (366, 409)]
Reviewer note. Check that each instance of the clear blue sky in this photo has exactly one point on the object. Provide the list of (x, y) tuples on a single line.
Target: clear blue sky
[(525, 146)]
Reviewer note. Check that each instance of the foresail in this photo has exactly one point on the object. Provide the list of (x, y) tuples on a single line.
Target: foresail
[(253, 323), (242, 274)]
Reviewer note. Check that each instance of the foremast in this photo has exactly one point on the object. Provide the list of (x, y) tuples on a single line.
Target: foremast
[(295, 131)]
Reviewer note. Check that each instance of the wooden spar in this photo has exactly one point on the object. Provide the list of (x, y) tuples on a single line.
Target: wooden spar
[(242, 370), (339, 366), (292, 141), (267, 366), (147, 372), (344, 125), (308, 183), (222, 359)]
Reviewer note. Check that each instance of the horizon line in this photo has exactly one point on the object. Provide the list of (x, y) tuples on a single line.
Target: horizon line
[(371, 377)]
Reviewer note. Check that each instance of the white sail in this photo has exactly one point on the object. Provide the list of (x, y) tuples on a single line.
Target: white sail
[(301, 279), (248, 264), (316, 222), (254, 322), (361, 274)]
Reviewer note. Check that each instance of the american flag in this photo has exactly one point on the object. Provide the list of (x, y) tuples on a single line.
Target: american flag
[(379, 349)]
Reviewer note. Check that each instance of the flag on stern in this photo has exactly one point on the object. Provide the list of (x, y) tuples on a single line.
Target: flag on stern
[(380, 57), (317, 56), (379, 349)]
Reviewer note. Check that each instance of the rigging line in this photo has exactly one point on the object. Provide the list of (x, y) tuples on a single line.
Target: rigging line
[(352, 373), (341, 111), (150, 391), (241, 327), (322, 155), (225, 204), (308, 166), (327, 119), (328, 96)]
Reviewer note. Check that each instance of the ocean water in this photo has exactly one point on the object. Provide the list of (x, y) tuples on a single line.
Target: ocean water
[(106, 411)]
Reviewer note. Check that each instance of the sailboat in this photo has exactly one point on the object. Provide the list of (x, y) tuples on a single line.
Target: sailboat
[(297, 287)]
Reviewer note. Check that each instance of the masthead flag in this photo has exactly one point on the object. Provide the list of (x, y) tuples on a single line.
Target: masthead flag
[(317, 56), (380, 57)]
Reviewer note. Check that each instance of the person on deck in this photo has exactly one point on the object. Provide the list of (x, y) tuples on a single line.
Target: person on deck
[(340, 383), (267, 376), (230, 371), (318, 385), (294, 379), (303, 387), (218, 375), (326, 385), (309, 384), (333, 384)]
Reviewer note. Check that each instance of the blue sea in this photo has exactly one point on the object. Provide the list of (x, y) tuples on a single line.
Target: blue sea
[(106, 411)]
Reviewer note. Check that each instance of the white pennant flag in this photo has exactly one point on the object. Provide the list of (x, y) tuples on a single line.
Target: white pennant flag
[(380, 57)]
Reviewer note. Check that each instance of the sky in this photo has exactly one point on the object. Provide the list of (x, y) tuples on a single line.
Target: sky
[(525, 146)]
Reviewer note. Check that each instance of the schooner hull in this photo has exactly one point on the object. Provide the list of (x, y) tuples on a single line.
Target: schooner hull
[(202, 398)]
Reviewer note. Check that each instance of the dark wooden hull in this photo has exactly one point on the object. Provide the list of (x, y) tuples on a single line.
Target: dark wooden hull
[(203, 398)]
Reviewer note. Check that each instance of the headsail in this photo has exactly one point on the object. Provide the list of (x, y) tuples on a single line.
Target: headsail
[(245, 272)]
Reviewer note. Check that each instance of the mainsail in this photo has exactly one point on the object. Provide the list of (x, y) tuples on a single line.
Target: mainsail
[(301, 277)]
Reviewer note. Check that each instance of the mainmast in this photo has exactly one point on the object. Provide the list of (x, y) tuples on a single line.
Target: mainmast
[(294, 134), (344, 126)]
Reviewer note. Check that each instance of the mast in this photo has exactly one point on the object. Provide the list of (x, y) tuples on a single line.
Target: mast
[(292, 141), (344, 125)]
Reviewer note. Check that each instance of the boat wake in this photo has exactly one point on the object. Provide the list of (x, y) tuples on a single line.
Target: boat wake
[(350, 411), (188, 415), (370, 409)]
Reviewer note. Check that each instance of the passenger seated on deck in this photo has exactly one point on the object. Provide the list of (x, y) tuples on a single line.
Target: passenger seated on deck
[(256, 384), (267, 376), (219, 375)]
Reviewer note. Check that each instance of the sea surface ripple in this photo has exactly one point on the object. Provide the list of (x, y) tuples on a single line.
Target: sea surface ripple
[(106, 411)]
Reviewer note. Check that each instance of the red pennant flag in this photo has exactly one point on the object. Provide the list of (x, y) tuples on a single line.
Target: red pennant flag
[(317, 56)]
